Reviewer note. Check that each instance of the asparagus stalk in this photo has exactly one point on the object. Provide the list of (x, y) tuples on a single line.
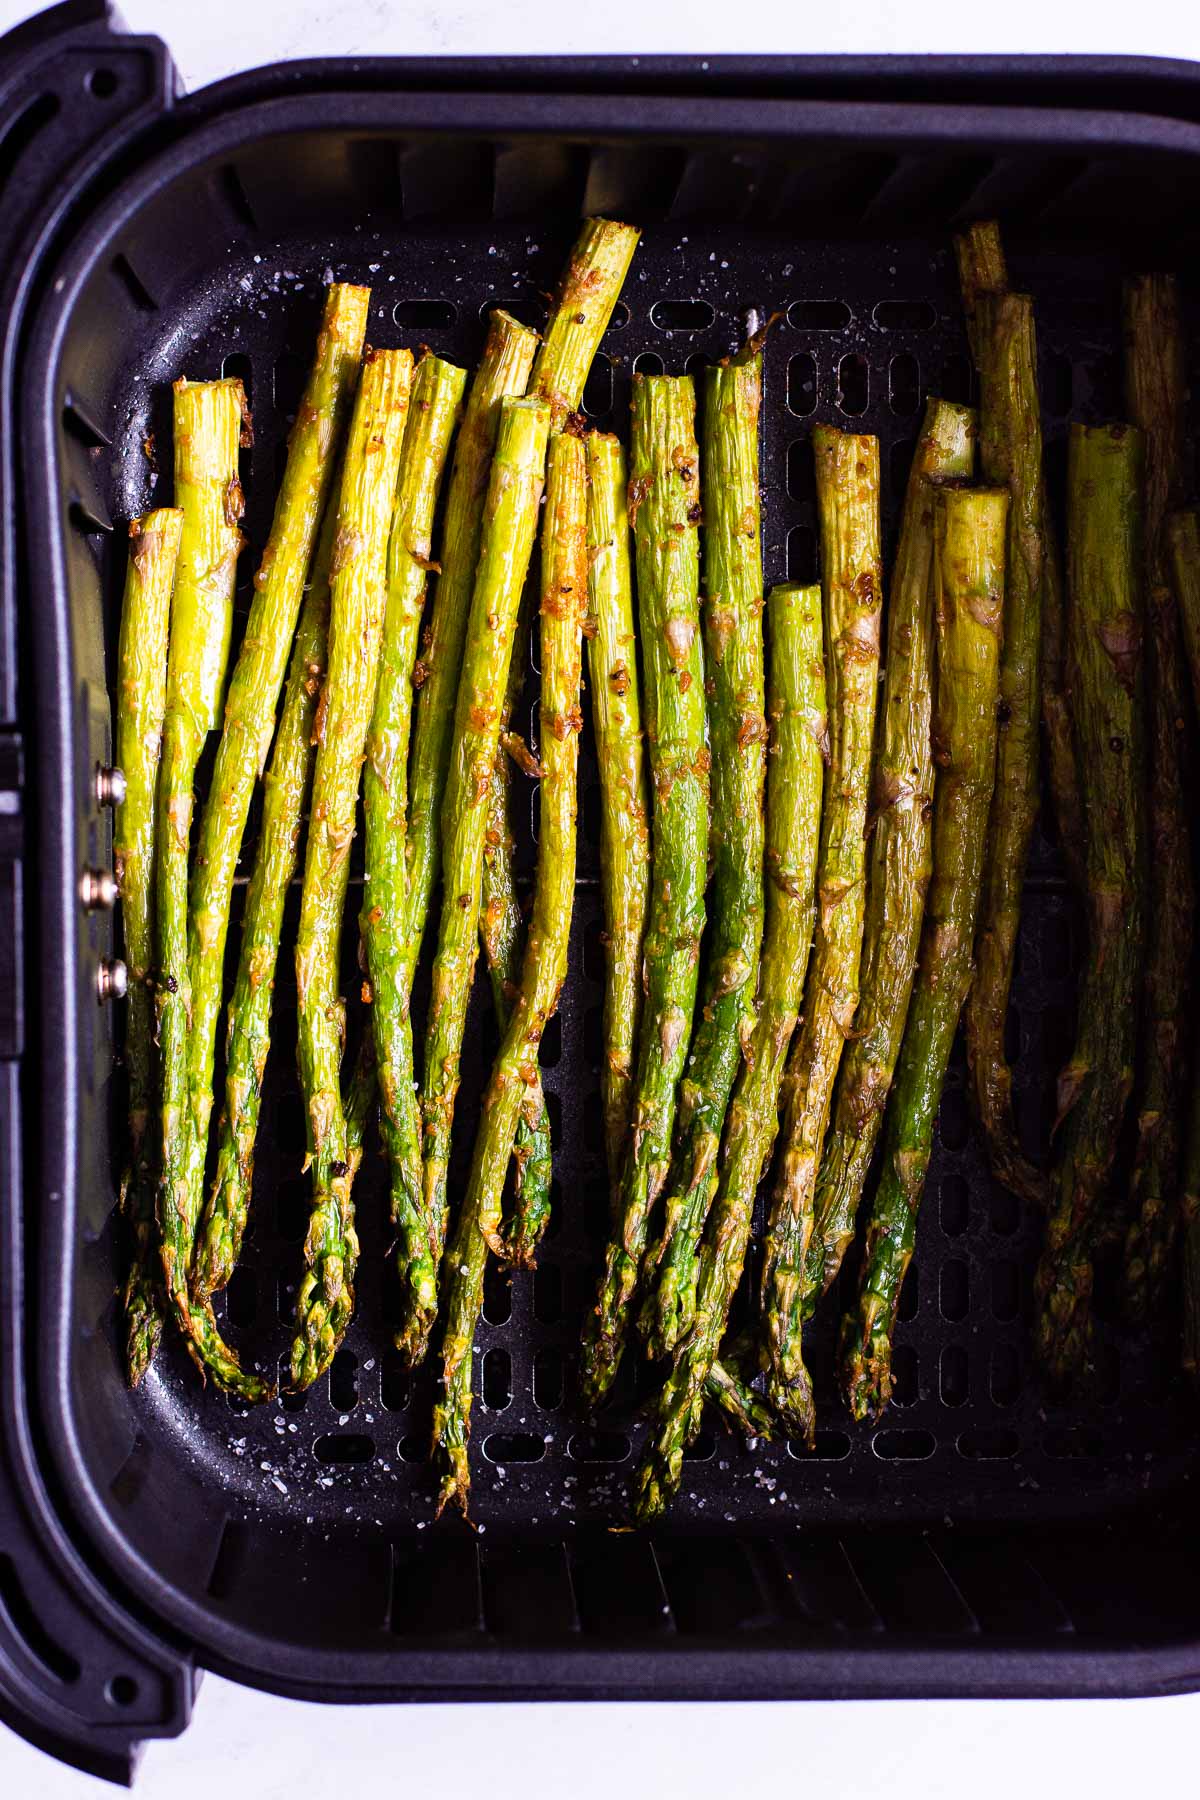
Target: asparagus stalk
[(982, 269), (250, 705), (624, 826), (503, 372), (664, 510), (848, 496), (433, 414), (209, 420), (358, 595), (900, 852), (1105, 643), (141, 700), (1010, 454), (513, 1086), (799, 745), (969, 566), (590, 288), (1183, 538), (509, 523), (248, 1018), (1156, 395), (733, 657)]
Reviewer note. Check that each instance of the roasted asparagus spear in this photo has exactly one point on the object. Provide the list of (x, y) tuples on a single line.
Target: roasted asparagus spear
[(799, 746), (358, 594), (141, 700), (1183, 537), (969, 560), (512, 1085), (1010, 455), (249, 716), (432, 417), (624, 799), (509, 523), (248, 1018), (664, 510), (209, 421), (733, 661), (848, 498), (899, 852), (1156, 396), (1105, 625)]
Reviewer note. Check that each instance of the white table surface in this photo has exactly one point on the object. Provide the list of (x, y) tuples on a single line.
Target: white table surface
[(243, 1743)]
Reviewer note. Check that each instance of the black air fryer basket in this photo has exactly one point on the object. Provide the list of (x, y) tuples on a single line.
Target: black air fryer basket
[(980, 1540)]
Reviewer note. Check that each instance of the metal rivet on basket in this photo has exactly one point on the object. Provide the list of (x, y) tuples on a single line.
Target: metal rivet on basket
[(98, 890), (110, 786), (112, 979)]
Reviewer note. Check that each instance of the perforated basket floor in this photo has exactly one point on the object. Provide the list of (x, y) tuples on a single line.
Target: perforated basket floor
[(867, 332)]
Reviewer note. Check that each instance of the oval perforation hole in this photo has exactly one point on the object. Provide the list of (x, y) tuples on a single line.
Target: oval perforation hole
[(395, 1382), (910, 1294), (905, 315), (1006, 1291), (899, 461), (958, 380), (853, 384), (598, 389), (828, 1446), (1058, 384), (288, 377), (526, 310), (548, 1378), (802, 383), (954, 1122), (343, 1382), (547, 1294), (424, 314), (648, 362), (802, 555), (497, 1295), (239, 367), (903, 1445), (344, 1447), (702, 1447), (954, 1290), (682, 315), (1004, 1375), (551, 1046), (801, 472), (953, 1375), (954, 1201), (985, 1443), (513, 1447), (497, 1380), (904, 385), (905, 1375), (599, 1447), (819, 315), (241, 1298)]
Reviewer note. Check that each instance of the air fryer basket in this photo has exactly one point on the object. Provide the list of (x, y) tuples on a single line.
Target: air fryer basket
[(979, 1540)]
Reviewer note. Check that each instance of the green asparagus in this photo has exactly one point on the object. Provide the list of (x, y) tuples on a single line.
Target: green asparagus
[(664, 510), (1156, 395), (848, 497), (1010, 454), (512, 1086), (141, 699), (624, 818), (358, 595), (590, 287), (432, 416), (1105, 625), (509, 523), (898, 866), (733, 657), (799, 746), (969, 570)]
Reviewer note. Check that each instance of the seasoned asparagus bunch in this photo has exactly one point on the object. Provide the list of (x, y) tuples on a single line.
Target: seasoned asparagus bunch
[(509, 523), (664, 509), (1105, 625), (624, 799), (1010, 455), (248, 1017), (969, 568), (982, 268), (512, 1086), (209, 421), (899, 853), (250, 705), (1156, 396), (848, 498), (799, 746), (432, 417), (141, 700), (503, 372), (358, 595), (733, 659)]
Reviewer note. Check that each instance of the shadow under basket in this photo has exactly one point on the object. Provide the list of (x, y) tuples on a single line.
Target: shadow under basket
[(981, 1539)]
